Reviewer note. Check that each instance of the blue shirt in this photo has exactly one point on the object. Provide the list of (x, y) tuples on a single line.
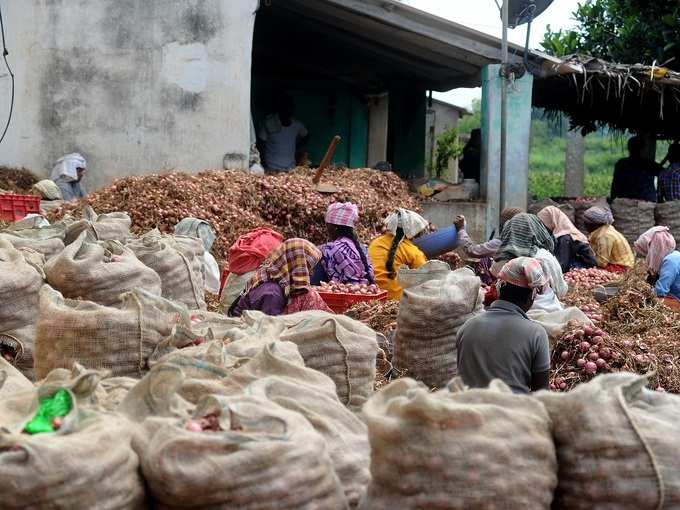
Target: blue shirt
[(668, 283), (70, 190), (669, 183)]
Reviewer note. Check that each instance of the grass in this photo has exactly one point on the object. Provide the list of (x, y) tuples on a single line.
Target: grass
[(545, 184)]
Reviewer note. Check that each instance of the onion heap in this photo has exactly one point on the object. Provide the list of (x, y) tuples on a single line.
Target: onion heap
[(349, 288), (235, 202), (589, 278)]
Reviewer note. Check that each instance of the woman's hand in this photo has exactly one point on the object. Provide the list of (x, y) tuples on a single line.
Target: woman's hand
[(459, 222)]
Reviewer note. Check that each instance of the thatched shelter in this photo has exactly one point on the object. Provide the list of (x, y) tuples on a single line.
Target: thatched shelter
[(594, 93)]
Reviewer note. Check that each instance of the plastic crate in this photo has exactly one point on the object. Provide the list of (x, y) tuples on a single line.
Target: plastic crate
[(16, 207), (340, 303)]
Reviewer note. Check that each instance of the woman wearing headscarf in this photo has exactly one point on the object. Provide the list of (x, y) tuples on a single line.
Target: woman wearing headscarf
[(657, 245), (483, 251), (281, 284), (343, 259), (612, 250), (571, 246), (394, 249), (67, 174), (201, 229), (522, 236)]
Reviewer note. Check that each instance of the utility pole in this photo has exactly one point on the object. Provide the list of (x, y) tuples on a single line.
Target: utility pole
[(504, 106)]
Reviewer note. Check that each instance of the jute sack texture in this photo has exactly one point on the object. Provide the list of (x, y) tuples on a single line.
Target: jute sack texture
[(617, 444), (99, 272), (429, 317), (100, 337), (178, 260), (264, 457), (633, 217), (458, 449)]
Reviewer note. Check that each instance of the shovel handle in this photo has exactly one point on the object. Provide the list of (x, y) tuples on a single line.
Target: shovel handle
[(326, 159)]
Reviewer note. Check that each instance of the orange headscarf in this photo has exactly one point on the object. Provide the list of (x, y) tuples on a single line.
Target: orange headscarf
[(559, 224)]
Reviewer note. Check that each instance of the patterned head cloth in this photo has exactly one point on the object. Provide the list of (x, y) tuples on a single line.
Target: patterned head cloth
[(655, 244), (522, 236), (342, 213), (559, 224), (598, 216), (508, 213), (524, 272), (289, 265), (410, 222)]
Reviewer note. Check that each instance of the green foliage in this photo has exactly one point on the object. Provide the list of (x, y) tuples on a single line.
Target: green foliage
[(448, 147), (626, 31), (470, 122), (546, 184)]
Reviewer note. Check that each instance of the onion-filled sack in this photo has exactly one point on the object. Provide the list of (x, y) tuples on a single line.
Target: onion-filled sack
[(99, 272), (429, 317), (342, 348), (458, 449), (102, 227), (11, 380), (46, 240), (20, 282), (100, 337), (633, 217), (20, 342), (178, 260), (237, 452), (617, 444), (80, 459), (278, 373), (668, 215)]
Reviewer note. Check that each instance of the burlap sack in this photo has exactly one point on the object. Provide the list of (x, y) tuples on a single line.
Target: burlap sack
[(216, 323), (342, 348), (47, 189), (432, 270), (668, 215), (265, 458), (102, 227), (233, 288), (581, 205), (46, 241), (278, 374), (99, 272), (633, 217), (458, 449), (617, 445), (87, 463), (22, 340), (178, 261), (100, 337), (20, 282), (11, 380), (429, 318)]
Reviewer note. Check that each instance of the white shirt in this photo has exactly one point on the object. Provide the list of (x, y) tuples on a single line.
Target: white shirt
[(280, 143)]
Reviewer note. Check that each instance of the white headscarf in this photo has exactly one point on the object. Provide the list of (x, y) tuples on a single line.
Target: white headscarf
[(410, 222), (66, 166)]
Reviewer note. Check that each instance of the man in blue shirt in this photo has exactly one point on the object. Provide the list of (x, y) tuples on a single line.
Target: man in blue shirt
[(669, 178)]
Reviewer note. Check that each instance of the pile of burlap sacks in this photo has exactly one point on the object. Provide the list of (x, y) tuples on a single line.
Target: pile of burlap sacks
[(298, 422)]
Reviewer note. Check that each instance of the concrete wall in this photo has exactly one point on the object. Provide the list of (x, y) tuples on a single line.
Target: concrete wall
[(517, 135), (442, 214), (136, 86), (440, 118), (378, 107)]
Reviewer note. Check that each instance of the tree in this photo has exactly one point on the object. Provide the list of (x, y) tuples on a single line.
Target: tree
[(470, 122), (624, 31)]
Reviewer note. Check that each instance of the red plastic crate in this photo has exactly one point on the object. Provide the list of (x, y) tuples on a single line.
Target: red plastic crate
[(16, 207), (340, 303), (223, 279)]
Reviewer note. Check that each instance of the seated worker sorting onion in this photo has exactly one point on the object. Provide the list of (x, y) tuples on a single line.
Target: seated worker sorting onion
[(344, 259), (394, 249), (657, 245), (281, 284), (612, 250), (571, 246), (486, 251), (522, 236)]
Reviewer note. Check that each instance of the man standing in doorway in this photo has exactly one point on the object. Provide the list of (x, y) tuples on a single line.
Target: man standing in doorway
[(634, 176), (279, 136)]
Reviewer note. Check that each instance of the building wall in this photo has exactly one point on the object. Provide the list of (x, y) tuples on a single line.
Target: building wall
[(406, 139), (439, 119), (136, 86)]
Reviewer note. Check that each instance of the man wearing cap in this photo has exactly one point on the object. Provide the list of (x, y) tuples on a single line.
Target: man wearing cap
[(344, 259), (503, 343)]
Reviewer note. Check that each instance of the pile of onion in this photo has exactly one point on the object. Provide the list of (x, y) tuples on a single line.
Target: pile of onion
[(347, 288), (589, 278)]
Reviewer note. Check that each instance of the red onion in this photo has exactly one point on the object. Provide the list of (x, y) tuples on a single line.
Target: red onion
[(590, 368)]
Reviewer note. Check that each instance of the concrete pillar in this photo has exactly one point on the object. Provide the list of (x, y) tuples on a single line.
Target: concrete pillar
[(574, 168), (378, 108), (517, 133)]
